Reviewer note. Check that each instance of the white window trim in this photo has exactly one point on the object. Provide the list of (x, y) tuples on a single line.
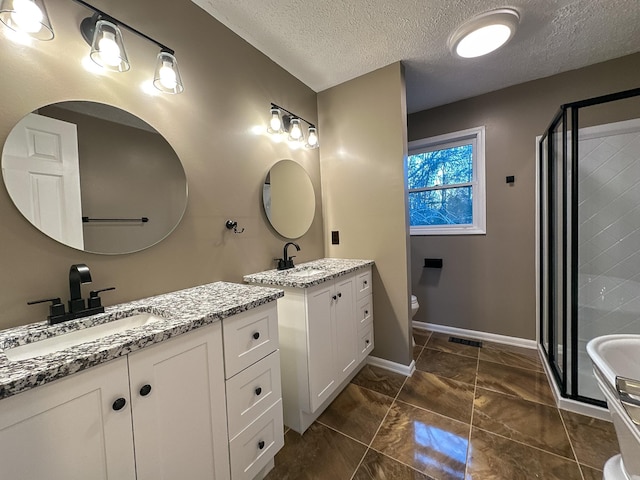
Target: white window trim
[(478, 183)]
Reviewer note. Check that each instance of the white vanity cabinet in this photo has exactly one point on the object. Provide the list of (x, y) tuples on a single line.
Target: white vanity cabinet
[(165, 402), (172, 410), (68, 429), (324, 336)]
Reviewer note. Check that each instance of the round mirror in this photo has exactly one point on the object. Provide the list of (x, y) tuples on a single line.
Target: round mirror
[(288, 198), (94, 177)]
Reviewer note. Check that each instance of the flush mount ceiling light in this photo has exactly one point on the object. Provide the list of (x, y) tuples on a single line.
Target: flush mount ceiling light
[(291, 124), (484, 33), (27, 16)]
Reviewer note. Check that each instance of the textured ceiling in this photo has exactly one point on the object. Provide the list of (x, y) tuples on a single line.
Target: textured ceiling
[(327, 42)]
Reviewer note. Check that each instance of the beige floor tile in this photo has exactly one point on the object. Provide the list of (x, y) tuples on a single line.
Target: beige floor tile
[(520, 382), (319, 454), (430, 443), (449, 365), (379, 380), (357, 412), (377, 466), (440, 341), (521, 420), (439, 394), (594, 440), (493, 457)]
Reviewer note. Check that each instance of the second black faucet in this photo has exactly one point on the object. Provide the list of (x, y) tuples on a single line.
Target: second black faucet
[(286, 262)]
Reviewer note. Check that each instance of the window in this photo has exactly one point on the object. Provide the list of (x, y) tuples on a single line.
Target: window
[(445, 182)]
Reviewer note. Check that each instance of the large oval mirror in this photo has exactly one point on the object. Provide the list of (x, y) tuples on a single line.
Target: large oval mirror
[(288, 199), (94, 177)]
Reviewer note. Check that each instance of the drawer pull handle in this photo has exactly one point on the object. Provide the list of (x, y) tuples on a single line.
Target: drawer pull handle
[(145, 390), (339, 295), (366, 312), (366, 283), (256, 335), (261, 444), (258, 391), (119, 404), (335, 297), (367, 342)]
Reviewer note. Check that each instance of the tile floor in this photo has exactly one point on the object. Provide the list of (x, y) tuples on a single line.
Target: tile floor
[(466, 413)]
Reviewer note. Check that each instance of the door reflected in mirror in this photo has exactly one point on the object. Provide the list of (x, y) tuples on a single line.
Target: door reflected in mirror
[(94, 177), (288, 198)]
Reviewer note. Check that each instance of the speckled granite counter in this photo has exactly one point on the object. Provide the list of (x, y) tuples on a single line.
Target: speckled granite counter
[(182, 311), (308, 274)]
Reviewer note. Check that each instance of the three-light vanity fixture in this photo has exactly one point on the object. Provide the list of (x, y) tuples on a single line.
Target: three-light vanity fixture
[(101, 32), (289, 124)]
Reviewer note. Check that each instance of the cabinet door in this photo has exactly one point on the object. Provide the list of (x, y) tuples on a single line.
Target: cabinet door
[(179, 426), (320, 338), (346, 327), (68, 429)]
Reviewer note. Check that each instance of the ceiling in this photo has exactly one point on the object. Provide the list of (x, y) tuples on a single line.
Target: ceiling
[(327, 42)]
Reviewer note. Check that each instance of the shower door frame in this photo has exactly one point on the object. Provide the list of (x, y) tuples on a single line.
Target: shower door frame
[(569, 238)]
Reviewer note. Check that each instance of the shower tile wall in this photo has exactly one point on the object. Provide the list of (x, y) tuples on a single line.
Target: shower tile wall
[(608, 237)]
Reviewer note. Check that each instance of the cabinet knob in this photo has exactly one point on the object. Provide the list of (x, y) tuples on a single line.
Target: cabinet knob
[(367, 342), (335, 297), (145, 390), (261, 444), (365, 283), (366, 312), (258, 391), (119, 404), (339, 295), (256, 335)]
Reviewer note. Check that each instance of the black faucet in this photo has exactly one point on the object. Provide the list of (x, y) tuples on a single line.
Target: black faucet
[(78, 274), (286, 262)]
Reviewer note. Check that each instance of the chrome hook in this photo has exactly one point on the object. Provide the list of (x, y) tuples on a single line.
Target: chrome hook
[(231, 224)]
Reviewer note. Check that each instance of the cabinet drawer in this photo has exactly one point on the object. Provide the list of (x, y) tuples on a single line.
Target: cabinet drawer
[(251, 392), (365, 345), (365, 312), (249, 337), (252, 450), (363, 284)]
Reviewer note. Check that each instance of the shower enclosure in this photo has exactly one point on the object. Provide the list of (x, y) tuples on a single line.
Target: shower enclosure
[(589, 227)]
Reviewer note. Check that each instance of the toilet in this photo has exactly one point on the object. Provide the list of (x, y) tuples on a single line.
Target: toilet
[(414, 309)]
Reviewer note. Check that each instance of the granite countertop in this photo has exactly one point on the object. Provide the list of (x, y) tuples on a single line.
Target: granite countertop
[(181, 312), (308, 274)]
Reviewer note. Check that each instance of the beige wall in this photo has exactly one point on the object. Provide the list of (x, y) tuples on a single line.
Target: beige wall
[(363, 185), (228, 88), (488, 281)]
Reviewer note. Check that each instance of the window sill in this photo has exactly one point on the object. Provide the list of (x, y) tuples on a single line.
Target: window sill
[(454, 230)]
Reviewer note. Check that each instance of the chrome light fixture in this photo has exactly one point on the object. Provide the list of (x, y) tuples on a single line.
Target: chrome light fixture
[(27, 16), (291, 124), (484, 33), (167, 76)]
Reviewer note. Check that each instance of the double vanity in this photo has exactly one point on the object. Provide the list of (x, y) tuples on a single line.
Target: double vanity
[(186, 384)]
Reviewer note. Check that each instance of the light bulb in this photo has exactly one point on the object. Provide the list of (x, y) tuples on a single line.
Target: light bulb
[(109, 50), (168, 77), (296, 131), (312, 138), (27, 16), (275, 122)]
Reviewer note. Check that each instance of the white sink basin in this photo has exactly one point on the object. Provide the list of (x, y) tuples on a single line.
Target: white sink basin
[(305, 273), (67, 340)]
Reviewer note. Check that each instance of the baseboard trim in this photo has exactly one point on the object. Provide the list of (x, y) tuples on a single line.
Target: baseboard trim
[(406, 370), (489, 337)]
